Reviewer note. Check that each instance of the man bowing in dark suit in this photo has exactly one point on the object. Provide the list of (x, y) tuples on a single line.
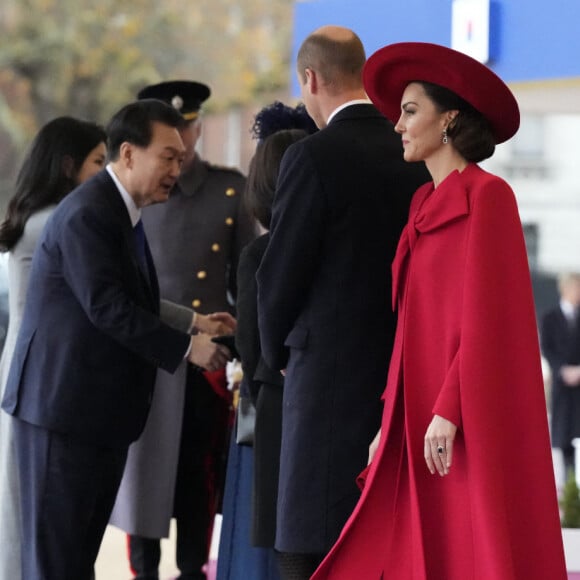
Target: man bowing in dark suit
[(175, 469), (324, 284), (91, 339)]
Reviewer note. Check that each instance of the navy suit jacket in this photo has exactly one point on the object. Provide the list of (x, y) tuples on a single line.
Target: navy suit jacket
[(324, 287), (91, 337), (561, 346)]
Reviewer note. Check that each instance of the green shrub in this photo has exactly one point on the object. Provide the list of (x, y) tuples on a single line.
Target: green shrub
[(570, 503)]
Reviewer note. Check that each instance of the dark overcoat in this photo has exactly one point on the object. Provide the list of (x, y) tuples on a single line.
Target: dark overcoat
[(263, 386), (324, 311), (196, 238), (561, 346)]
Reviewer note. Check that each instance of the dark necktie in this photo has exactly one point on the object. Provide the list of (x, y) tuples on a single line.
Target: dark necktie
[(141, 253)]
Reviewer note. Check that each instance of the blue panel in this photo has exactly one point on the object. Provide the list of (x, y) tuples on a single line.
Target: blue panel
[(539, 39), (377, 22), (529, 39)]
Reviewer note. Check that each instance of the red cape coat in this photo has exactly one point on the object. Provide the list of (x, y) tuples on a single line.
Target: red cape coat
[(466, 349)]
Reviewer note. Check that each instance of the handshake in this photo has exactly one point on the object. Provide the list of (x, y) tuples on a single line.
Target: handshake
[(204, 351)]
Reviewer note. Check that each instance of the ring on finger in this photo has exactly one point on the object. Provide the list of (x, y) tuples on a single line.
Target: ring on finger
[(440, 449)]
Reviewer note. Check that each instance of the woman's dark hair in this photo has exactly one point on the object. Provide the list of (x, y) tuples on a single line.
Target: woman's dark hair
[(470, 131), (276, 126), (133, 124), (46, 175), (263, 172)]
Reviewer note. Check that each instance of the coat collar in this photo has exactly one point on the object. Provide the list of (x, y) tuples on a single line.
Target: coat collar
[(446, 203), (431, 209), (110, 190), (345, 105), (356, 111), (192, 179)]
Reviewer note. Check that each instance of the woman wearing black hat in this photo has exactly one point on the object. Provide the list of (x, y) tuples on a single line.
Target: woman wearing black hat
[(461, 486)]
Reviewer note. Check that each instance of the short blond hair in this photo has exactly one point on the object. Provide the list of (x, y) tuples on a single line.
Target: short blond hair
[(338, 60)]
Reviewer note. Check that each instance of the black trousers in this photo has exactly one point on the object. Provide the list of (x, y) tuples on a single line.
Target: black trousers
[(293, 566), (569, 455), (193, 491), (68, 489)]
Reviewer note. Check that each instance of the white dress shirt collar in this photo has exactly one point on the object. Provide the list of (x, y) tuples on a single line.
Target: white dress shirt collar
[(568, 309), (345, 105), (134, 211)]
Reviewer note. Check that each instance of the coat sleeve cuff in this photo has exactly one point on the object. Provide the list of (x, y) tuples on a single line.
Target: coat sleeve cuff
[(448, 404)]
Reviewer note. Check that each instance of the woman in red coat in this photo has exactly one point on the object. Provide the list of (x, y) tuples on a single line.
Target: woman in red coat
[(461, 486)]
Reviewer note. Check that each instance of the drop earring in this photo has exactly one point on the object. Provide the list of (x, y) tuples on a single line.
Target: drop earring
[(445, 140)]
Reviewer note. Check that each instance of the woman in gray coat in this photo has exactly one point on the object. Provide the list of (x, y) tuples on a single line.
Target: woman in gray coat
[(65, 152)]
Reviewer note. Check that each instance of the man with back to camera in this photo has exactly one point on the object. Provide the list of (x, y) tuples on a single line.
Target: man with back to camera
[(174, 470), (84, 366), (324, 284)]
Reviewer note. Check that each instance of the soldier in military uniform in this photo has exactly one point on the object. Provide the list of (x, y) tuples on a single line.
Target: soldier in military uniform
[(174, 470)]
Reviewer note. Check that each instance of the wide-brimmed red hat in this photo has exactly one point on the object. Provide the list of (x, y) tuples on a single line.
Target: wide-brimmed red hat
[(390, 69)]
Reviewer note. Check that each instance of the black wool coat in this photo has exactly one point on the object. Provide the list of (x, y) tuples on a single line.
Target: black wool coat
[(324, 288)]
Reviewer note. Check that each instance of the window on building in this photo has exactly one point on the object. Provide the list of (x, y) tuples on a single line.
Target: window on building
[(527, 158), (531, 235)]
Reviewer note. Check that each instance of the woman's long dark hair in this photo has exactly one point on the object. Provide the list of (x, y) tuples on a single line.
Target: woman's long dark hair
[(263, 172), (49, 172), (276, 127)]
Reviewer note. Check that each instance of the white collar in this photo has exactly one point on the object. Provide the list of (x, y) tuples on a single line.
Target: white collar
[(345, 105), (134, 211), (568, 309)]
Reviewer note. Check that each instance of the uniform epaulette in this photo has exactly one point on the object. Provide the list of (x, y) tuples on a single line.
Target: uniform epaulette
[(229, 169)]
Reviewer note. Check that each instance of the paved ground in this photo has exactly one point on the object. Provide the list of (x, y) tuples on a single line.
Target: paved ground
[(112, 560)]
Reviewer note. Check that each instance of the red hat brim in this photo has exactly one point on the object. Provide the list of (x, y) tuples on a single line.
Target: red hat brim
[(390, 69)]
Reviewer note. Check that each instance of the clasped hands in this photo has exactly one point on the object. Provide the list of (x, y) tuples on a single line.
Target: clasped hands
[(204, 352)]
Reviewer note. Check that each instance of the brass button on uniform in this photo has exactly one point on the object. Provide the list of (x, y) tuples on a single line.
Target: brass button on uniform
[(196, 303), (229, 221), (230, 192), (202, 275), (215, 248)]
